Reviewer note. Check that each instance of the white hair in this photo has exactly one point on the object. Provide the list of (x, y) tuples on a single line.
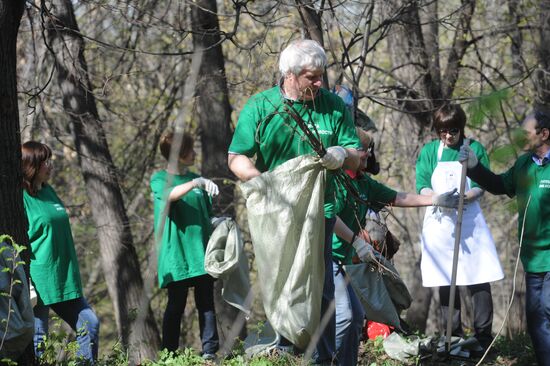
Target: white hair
[(302, 54)]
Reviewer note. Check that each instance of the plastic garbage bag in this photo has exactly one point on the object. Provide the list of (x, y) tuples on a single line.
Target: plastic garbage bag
[(20, 325), (225, 259)]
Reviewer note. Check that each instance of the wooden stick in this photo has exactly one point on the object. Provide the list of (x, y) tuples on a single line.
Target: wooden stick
[(458, 230)]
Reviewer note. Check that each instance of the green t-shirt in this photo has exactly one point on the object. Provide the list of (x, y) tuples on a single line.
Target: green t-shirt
[(54, 266), (427, 161), (265, 130), (350, 211), (526, 179), (186, 230)]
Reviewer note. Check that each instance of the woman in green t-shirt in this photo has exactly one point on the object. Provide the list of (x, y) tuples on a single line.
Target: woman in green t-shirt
[(182, 231), (54, 266)]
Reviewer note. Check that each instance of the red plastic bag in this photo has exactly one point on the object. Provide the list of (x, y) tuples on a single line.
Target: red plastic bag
[(374, 329)]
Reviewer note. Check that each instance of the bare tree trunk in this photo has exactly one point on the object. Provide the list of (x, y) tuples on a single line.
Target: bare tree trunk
[(12, 213), (214, 114), (311, 20), (437, 86), (312, 26), (515, 47), (542, 75), (119, 259)]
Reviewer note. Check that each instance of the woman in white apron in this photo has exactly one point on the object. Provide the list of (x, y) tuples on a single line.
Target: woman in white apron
[(438, 170)]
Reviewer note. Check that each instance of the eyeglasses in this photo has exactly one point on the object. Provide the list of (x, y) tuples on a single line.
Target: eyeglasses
[(450, 131), (48, 163)]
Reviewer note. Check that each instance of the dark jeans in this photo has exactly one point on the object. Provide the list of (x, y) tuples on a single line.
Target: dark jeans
[(80, 317), (537, 308), (483, 311), (204, 300)]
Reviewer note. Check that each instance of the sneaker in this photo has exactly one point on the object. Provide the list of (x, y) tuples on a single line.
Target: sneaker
[(208, 356)]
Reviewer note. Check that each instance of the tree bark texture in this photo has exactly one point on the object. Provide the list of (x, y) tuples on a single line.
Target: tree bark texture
[(214, 117), (423, 51), (13, 221), (312, 26), (12, 215), (435, 88), (212, 100), (542, 74), (119, 258)]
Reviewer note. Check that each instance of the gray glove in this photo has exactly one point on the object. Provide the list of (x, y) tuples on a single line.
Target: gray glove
[(210, 187), (447, 199), (334, 158), (364, 251), (467, 154)]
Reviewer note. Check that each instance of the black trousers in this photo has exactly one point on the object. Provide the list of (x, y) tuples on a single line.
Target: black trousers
[(483, 311)]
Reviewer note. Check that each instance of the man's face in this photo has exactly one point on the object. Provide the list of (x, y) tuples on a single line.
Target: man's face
[(306, 84), (533, 140)]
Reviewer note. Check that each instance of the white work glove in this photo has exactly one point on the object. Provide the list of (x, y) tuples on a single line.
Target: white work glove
[(467, 154), (364, 251), (447, 199), (334, 158), (210, 187)]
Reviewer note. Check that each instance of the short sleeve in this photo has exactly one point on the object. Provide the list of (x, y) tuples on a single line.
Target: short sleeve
[(379, 195), (158, 182), (244, 138), (424, 169), (347, 136)]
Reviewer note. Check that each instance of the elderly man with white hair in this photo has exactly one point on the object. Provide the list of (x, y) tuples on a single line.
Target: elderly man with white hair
[(266, 130)]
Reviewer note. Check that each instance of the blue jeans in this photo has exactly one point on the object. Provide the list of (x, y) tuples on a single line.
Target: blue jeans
[(204, 301), (349, 319), (537, 293), (325, 352), (80, 317)]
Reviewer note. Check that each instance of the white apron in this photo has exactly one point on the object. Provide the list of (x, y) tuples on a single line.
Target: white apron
[(477, 258)]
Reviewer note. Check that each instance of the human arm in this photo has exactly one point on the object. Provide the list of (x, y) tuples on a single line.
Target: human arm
[(473, 194), (488, 180), (339, 157), (426, 198), (345, 233), (242, 167), (182, 189), (352, 161), (358, 241)]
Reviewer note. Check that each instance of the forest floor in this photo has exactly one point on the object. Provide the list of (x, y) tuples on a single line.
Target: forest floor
[(505, 352)]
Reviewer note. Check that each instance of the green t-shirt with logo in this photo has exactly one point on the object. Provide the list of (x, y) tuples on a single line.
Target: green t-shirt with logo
[(352, 213), (266, 131), (186, 230), (526, 179), (54, 266), (427, 161)]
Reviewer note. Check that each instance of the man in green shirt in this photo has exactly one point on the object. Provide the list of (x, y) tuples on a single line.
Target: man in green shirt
[(529, 180), (267, 131), (349, 231)]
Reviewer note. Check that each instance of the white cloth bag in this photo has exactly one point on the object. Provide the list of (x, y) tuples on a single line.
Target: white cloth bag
[(287, 226)]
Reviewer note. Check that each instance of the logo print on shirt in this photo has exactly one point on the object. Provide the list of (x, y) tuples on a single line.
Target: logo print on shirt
[(58, 207), (544, 183)]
